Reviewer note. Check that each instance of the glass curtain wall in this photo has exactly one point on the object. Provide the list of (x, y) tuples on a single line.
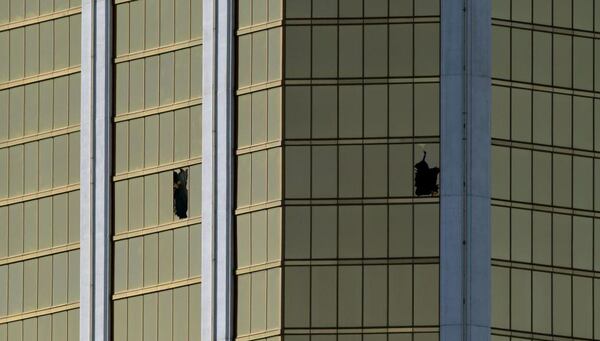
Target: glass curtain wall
[(259, 156), (39, 169), (546, 170), (157, 169), (337, 102)]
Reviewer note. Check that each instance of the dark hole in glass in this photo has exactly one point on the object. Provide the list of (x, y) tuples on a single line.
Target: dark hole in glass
[(180, 193), (426, 178)]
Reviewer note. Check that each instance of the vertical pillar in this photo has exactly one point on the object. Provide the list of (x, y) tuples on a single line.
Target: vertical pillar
[(85, 259), (217, 170), (465, 293), (95, 170)]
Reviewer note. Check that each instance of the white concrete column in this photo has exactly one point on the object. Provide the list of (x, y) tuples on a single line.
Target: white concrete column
[(217, 169), (86, 170), (95, 170), (465, 270)]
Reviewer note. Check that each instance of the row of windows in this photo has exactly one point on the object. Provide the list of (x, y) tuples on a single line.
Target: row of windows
[(148, 201), (545, 58), (369, 231), (169, 315), (545, 118), (545, 238), (259, 117), (258, 301), (272, 338), (254, 12), (576, 14), (40, 107), (158, 80), (39, 224), (158, 139), (39, 283), (258, 237), (361, 296), (44, 47), (259, 57), (506, 338), (148, 24), (357, 111), (259, 177), (361, 8), (356, 51), (17, 10), (157, 258), (545, 303), (545, 178), (63, 326), (39, 165), (353, 171), (423, 336)]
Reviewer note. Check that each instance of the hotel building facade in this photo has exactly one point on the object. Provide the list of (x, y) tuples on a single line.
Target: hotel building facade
[(268, 170)]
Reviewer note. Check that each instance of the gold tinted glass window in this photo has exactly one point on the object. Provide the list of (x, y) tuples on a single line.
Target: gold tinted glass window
[(39, 169), (544, 197), (157, 178), (327, 141)]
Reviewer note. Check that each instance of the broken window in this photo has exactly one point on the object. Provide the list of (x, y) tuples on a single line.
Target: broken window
[(180, 193), (426, 179)]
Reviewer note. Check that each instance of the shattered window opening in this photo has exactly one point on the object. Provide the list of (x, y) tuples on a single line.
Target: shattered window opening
[(426, 179), (180, 193)]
